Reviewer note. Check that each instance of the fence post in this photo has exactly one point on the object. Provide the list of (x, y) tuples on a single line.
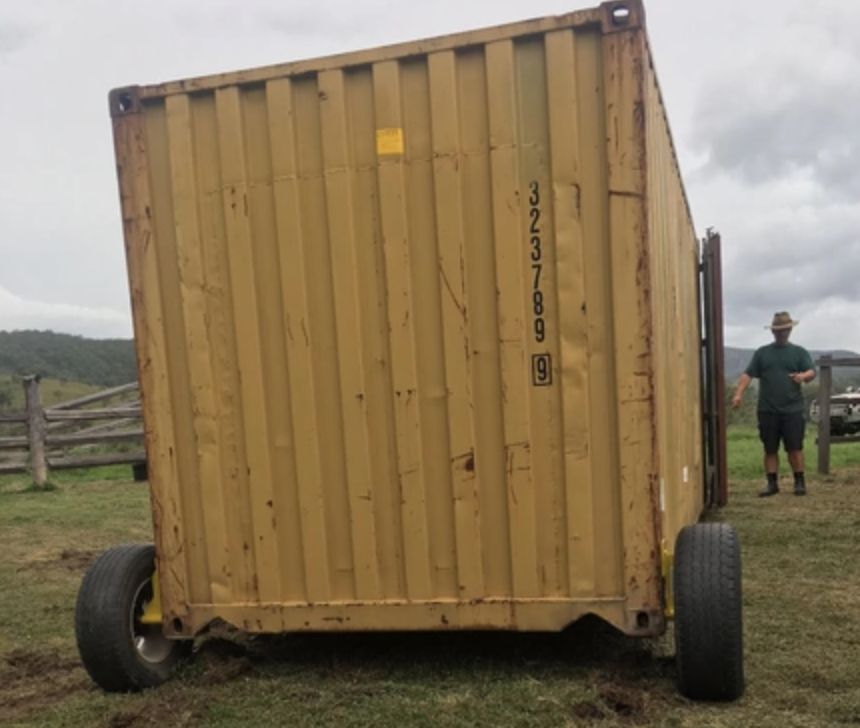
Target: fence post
[(826, 365), (36, 431)]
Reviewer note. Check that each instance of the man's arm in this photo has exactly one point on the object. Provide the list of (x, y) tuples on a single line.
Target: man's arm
[(807, 370), (743, 383), (752, 370)]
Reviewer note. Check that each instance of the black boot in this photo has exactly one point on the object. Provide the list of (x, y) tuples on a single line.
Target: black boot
[(772, 486), (799, 484)]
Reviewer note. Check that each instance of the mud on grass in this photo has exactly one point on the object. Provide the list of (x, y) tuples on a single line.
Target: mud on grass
[(33, 682), (428, 680), (358, 680), (802, 619), (71, 560)]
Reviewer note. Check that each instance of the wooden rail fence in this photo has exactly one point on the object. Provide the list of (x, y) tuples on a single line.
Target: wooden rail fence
[(47, 433), (825, 391)]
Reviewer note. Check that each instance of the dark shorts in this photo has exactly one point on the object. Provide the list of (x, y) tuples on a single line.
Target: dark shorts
[(789, 429)]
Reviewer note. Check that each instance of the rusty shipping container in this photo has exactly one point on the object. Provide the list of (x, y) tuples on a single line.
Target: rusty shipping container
[(419, 340)]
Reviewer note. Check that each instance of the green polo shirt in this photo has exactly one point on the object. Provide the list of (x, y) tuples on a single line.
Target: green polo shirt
[(771, 365)]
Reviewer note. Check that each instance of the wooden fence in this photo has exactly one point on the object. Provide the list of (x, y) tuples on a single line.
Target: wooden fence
[(47, 433), (826, 365)]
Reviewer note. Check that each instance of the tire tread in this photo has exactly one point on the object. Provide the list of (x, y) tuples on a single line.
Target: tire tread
[(709, 613)]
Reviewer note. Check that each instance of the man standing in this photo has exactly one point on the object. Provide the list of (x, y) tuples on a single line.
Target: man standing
[(780, 368)]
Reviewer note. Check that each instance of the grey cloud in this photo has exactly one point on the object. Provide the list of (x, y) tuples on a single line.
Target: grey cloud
[(783, 116), (825, 324), (14, 36), (312, 22), (304, 23), (780, 133), (796, 266), (17, 313)]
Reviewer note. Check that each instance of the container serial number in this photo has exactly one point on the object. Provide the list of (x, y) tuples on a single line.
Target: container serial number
[(538, 304)]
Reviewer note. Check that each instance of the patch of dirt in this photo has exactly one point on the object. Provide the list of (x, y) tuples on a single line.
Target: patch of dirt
[(218, 660), (625, 702), (31, 682), (223, 661), (25, 664), (76, 560), (123, 719), (69, 560), (163, 707), (615, 700), (588, 710), (221, 648)]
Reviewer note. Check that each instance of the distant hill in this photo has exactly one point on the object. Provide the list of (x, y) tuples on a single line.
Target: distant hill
[(737, 360), (98, 362)]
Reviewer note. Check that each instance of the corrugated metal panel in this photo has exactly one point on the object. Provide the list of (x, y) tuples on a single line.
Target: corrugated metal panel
[(394, 322), (677, 335)]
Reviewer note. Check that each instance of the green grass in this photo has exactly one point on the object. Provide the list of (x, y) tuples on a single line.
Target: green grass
[(802, 636), (93, 475), (745, 454), (69, 477)]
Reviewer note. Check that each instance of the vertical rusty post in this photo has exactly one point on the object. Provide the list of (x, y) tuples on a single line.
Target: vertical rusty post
[(36, 431), (721, 454), (707, 374), (824, 392), (716, 465)]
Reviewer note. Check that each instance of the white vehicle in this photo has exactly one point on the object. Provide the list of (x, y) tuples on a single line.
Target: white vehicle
[(844, 412)]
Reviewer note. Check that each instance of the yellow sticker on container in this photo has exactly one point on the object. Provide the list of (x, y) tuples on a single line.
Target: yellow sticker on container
[(389, 141)]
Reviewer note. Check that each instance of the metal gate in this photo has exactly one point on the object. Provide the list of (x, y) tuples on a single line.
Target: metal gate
[(714, 390)]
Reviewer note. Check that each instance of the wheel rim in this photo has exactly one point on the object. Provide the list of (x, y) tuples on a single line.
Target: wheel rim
[(151, 645)]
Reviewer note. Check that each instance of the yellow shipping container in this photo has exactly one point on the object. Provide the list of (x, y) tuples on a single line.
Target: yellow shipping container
[(419, 341)]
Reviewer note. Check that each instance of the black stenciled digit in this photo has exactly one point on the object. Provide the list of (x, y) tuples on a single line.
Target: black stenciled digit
[(538, 306), (535, 215), (543, 372)]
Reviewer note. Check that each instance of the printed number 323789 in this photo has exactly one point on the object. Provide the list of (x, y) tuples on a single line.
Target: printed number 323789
[(538, 307)]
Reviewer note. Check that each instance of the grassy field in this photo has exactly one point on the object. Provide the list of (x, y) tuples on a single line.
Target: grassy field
[(802, 631), (746, 455)]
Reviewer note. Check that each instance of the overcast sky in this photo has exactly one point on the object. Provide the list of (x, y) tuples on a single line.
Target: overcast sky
[(764, 100)]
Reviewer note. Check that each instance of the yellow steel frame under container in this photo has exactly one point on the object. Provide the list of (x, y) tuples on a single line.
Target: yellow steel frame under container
[(418, 334)]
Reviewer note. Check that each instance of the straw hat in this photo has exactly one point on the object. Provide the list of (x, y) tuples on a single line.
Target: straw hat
[(782, 321)]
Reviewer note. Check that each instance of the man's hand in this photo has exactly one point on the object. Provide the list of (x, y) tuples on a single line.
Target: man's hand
[(798, 377), (743, 383)]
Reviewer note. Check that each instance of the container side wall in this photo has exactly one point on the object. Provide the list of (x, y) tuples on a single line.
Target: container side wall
[(676, 325)]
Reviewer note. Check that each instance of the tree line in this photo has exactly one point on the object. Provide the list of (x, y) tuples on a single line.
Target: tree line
[(100, 362)]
